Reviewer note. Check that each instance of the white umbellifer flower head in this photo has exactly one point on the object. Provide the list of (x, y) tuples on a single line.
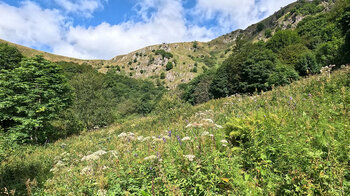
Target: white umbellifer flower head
[(186, 138), (208, 121), (140, 138), (223, 141), (189, 125), (205, 133), (190, 157), (146, 138), (152, 157), (122, 135), (218, 126)]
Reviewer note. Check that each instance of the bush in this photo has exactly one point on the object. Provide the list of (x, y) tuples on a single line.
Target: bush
[(93, 103), (260, 27), (268, 33), (282, 39), (162, 75), (164, 54), (169, 66), (33, 94), (307, 64), (9, 57)]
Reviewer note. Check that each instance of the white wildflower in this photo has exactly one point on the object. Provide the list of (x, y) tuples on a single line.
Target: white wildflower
[(94, 156), (122, 135), (60, 164), (146, 138), (205, 133), (189, 125), (211, 135), (224, 141), (140, 138), (208, 121), (102, 192), (190, 157), (218, 126), (157, 139), (114, 153), (86, 170), (152, 157), (186, 138)]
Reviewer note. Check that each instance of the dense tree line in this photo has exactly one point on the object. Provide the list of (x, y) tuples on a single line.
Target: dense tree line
[(42, 101), (319, 40)]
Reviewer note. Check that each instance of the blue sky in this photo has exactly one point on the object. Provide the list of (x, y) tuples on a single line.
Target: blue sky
[(102, 29)]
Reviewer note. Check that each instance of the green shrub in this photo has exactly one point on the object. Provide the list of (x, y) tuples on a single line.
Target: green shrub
[(260, 27), (169, 66), (164, 54), (282, 39), (307, 64), (9, 56), (162, 76), (33, 93), (268, 33)]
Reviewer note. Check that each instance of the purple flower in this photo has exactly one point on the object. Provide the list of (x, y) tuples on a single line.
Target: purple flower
[(169, 133), (291, 98), (164, 140), (179, 139), (136, 155)]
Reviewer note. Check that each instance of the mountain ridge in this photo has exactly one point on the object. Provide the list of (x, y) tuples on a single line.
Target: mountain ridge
[(188, 61)]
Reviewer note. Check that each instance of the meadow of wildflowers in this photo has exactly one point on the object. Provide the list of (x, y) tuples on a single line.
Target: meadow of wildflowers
[(293, 140)]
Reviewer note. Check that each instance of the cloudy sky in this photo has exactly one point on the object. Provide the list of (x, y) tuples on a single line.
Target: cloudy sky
[(102, 29)]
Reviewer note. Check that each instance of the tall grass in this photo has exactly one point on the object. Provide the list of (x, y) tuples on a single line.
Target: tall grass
[(291, 140)]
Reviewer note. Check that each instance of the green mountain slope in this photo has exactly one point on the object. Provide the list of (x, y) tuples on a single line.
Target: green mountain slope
[(292, 140), (144, 63)]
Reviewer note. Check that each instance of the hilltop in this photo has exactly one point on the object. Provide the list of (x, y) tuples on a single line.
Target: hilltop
[(189, 59)]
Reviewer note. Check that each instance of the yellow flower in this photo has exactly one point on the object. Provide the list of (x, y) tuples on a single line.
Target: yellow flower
[(225, 179)]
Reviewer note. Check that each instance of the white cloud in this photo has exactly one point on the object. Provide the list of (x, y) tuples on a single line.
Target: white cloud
[(231, 14), (158, 21), (31, 25), (84, 7), (166, 24)]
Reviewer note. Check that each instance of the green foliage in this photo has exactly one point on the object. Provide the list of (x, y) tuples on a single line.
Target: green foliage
[(197, 91), (307, 64), (282, 39), (93, 103), (164, 54), (345, 19), (33, 93), (290, 54), (282, 75), (162, 76), (169, 66), (195, 45), (292, 140), (9, 57), (194, 69), (318, 29), (306, 7), (268, 33), (260, 27)]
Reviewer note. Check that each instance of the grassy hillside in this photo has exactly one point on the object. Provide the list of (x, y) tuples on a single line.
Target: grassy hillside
[(144, 63), (292, 140)]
